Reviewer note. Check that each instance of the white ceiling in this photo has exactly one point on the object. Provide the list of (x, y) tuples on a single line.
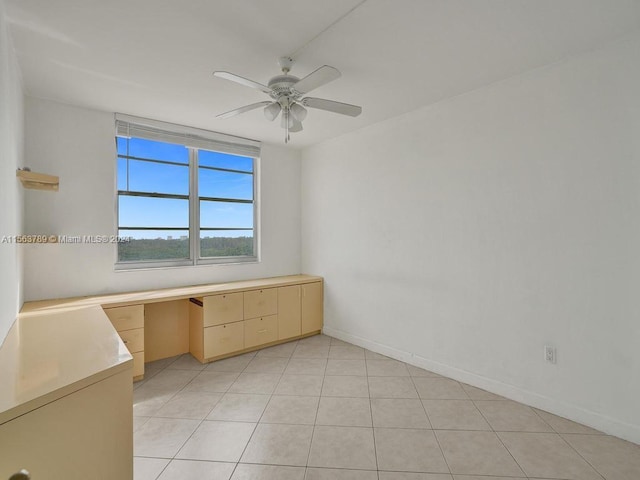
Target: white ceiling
[(154, 58)]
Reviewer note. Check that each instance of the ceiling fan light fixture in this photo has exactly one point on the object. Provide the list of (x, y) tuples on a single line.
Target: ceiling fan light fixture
[(287, 119), (298, 112), (272, 111), (296, 127)]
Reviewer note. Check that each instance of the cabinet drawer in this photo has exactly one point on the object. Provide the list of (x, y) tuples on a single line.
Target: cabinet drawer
[(126, 318), (219, 309), (259, 331), (260, 303), (223, 339), (138, 364), (133, 339)]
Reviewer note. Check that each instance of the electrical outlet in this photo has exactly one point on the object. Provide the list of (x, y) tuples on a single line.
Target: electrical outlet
[(550, 354)]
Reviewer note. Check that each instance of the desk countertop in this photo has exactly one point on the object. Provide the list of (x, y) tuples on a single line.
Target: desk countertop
[(164, 295), (45, 357)]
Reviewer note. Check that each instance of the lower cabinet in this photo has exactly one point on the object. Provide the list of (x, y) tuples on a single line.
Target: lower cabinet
[(259, 331), (86, 434), (223, 339), (289, 312), (312, 302), (129, 323), (221, 325)]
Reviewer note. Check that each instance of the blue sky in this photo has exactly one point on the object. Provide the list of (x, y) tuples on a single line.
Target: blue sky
[(162, 178)]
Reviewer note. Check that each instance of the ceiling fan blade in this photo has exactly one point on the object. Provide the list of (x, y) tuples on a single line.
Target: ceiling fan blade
[(246, 108), (242, 81), (331, 106), (317, 78)]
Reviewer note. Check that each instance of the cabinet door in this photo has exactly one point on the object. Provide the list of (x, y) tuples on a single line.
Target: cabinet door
[(223, 339), (260, 303), (83, 435), (126, 318), (219, 309), (312, 304), (138, 365), (259, 331), (289, 311)]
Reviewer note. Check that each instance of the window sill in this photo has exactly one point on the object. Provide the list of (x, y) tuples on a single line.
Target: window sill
[(155, 266)]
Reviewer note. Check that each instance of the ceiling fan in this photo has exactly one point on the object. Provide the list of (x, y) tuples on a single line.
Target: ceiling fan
[(287, 93)]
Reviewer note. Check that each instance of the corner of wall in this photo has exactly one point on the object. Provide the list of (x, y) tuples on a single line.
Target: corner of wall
[(11, 195)]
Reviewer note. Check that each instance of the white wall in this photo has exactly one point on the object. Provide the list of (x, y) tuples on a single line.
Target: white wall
[(466, 236), (11, 195), (78, 145)]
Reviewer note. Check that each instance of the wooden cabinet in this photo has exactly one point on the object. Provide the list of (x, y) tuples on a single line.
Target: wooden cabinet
[(86, 434), (129, 323), (223, 339), (126, 318), (312, 307), (259, 331), (289, 312), (260, 303), (230, 323), (133, 339), (221, 309)]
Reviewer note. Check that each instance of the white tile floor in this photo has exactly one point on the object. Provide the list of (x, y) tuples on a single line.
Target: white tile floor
[(321, 409)]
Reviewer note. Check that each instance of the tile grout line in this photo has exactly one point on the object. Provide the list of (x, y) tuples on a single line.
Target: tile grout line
[(202, 420), (431, 425), (580, 455), (373, 430), (261, 415), (313, 429), (568, 444), (173, 396), (255, 428), (553, 431), (499, 439)]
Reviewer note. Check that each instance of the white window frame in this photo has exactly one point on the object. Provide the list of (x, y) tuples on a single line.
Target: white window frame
[(193, 139)]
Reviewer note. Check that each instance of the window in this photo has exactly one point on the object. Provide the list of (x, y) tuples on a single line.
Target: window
[(184, 196)]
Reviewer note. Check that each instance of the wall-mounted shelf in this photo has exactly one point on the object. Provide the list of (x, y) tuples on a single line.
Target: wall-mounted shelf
[(38, 181)]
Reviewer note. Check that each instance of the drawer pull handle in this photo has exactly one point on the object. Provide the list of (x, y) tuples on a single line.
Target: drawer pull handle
[(262, 331)]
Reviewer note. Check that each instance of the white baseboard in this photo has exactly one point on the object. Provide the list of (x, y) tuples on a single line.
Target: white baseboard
[(578, 414)]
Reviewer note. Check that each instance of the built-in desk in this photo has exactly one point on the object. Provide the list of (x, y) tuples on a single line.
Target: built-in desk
[(66, 407), (209, 321)]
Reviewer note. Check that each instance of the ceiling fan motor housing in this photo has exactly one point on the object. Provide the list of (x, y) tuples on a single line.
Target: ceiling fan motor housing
[(283, 85)]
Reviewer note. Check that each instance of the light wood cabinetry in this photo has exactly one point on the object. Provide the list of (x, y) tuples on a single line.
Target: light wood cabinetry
[(225, 308), (312, 307), (56, 395), (223, 339), (166, 327), (129, 323), (261, 330), (289, 312), (126, 318), (260, 303), (133, 339), (227, 324), (86, 434)]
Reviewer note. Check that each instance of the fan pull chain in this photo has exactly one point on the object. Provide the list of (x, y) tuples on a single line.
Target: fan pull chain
[(287, 137)]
